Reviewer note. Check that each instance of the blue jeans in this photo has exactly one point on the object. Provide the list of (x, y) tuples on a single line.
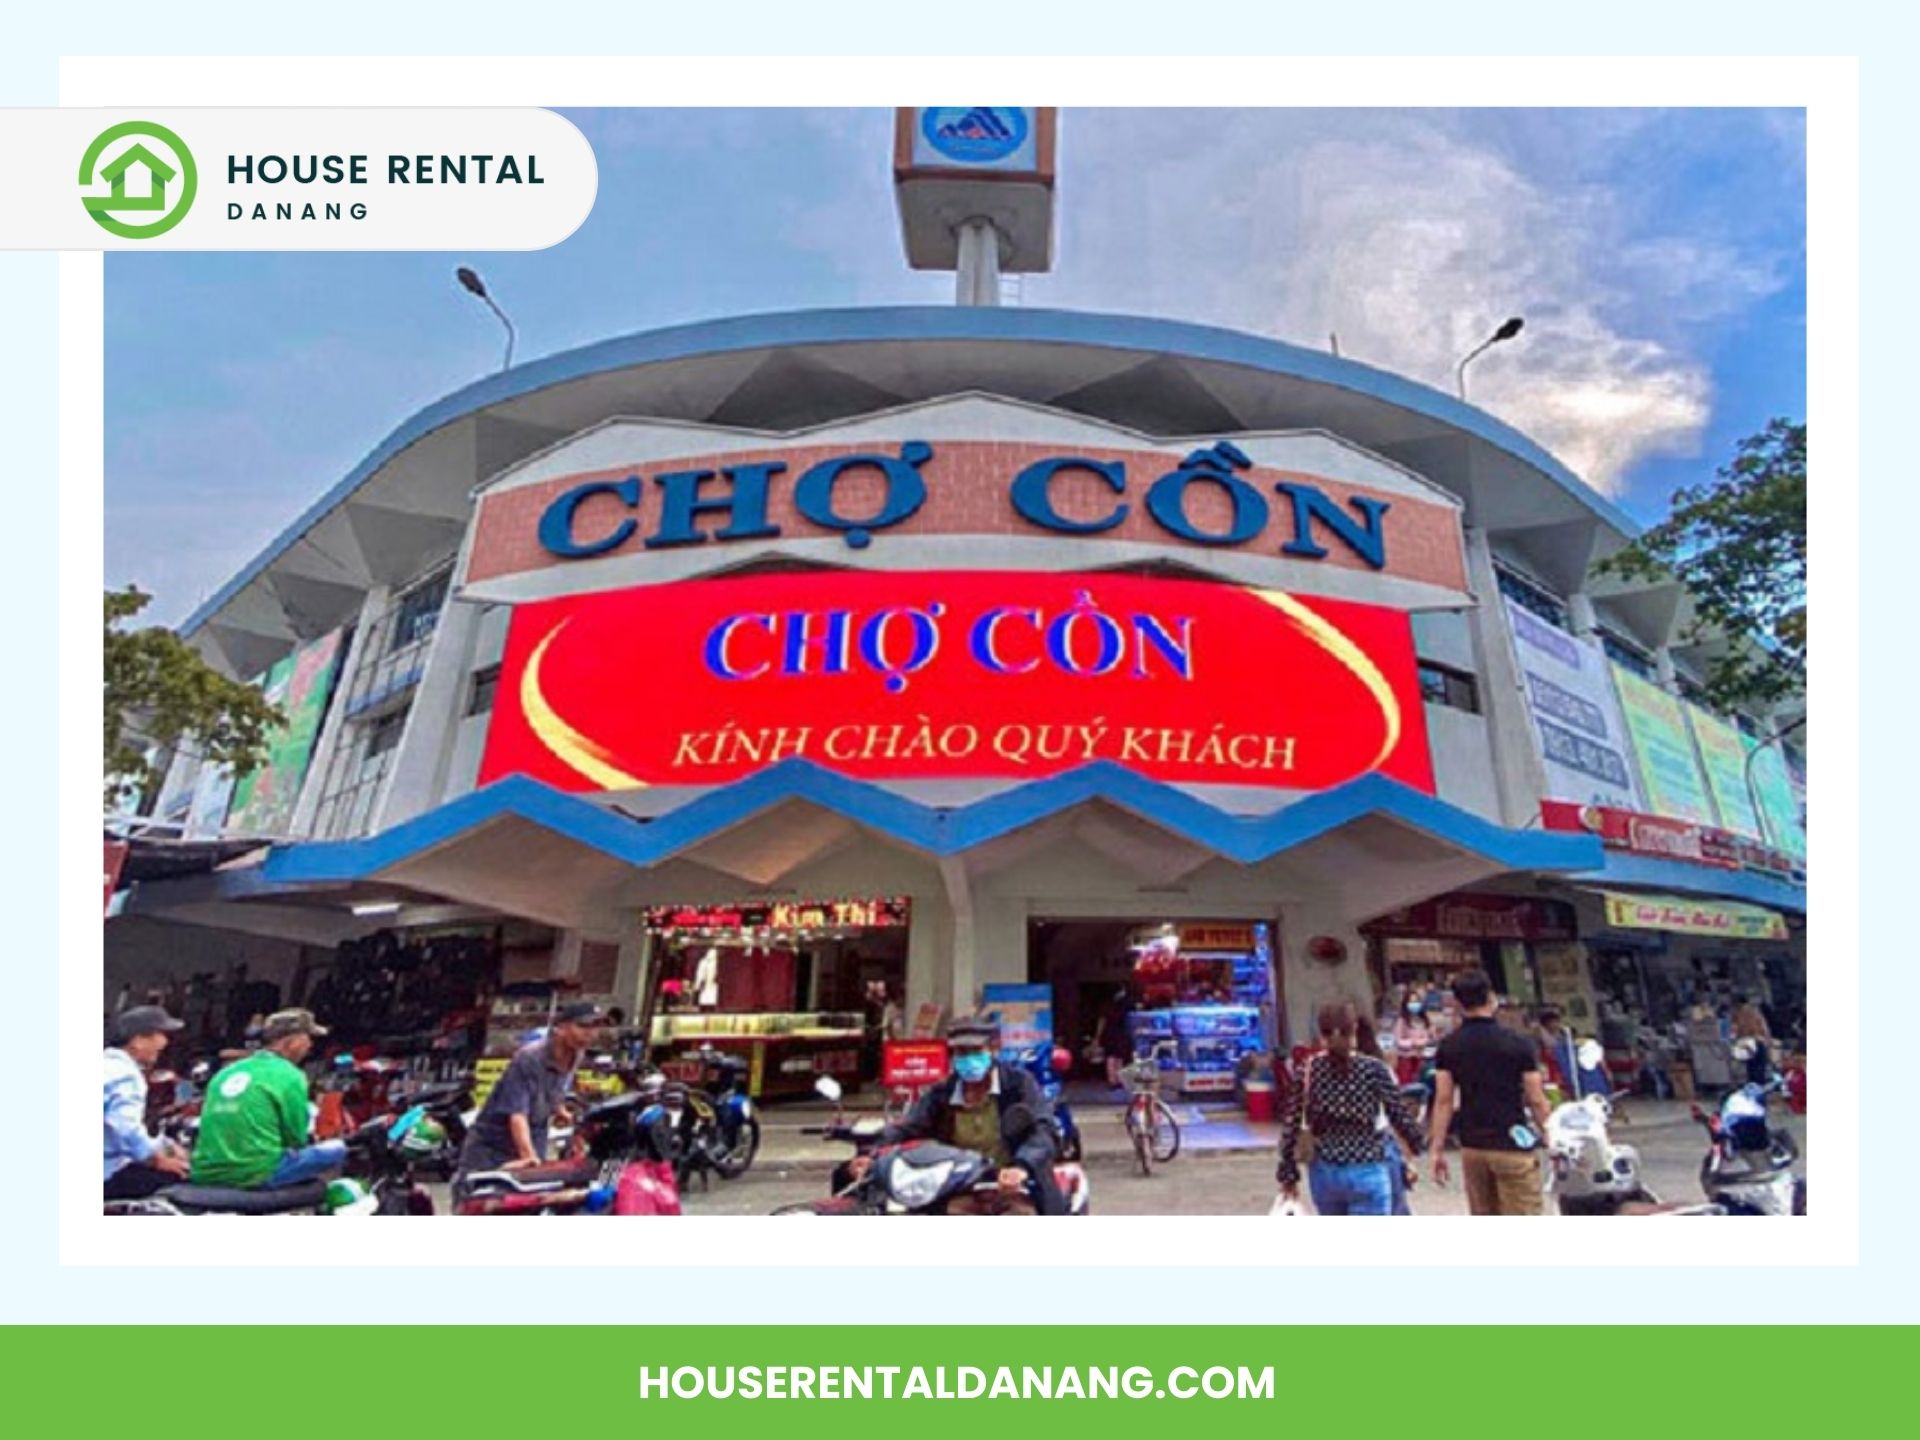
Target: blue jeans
[(1396, 1175), (310, 1162), (1350, 1189)]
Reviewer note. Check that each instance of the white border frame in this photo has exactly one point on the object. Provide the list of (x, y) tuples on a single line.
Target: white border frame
[(1828, 88)]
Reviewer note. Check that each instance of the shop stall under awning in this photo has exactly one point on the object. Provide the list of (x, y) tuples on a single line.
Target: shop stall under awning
[(523, 848), (1629, 873), (1692, 915)]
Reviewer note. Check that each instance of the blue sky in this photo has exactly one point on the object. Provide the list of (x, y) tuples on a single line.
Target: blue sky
[(1658, 257)]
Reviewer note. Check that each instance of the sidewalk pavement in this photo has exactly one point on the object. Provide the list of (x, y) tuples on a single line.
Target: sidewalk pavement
[(1206, 1129)]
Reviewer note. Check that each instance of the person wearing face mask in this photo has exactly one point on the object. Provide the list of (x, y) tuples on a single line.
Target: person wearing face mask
[(1413, 1039), (975, 1108)]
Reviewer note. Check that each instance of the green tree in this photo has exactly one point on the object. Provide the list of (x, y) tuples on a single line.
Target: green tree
[(1739, 545), (160, 693)]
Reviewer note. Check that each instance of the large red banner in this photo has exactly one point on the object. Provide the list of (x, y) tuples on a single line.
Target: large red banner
[(956, 674)]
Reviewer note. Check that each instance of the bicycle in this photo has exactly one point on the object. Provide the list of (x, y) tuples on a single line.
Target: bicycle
[(1150, 1121)]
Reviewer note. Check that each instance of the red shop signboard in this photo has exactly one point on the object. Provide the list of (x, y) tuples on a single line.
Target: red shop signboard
[(1662, 837), (956, 674), (1480, 917), (913, 1064)]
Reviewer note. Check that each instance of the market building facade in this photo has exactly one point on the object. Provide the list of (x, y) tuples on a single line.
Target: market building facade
[(747, 672)]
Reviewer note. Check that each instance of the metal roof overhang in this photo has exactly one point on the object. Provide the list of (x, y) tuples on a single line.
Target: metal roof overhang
[(1623, 871), (408, 500), (523, 848)]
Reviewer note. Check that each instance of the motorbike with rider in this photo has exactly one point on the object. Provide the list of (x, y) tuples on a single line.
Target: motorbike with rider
[(995, 1109)]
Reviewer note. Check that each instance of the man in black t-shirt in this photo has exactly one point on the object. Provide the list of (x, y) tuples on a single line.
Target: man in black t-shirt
[(1493, 1075)]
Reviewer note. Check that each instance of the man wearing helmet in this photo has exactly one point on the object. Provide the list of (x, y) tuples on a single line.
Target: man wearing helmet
[(998, 1110)]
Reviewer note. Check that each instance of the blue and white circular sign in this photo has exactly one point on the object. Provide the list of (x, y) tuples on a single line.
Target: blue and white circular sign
[(974, 134)]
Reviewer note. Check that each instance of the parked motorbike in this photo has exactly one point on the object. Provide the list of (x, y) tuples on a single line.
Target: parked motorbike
[(622, 1161), (735, 1139), (718, 1124), (918, 1177), (391, 1154), (1588, 1173), (351, 1194), (1748, 1166)]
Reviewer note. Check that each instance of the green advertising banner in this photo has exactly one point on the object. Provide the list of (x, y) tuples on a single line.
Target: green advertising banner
[(1780, 804), (1723, 755), (263, 801), (1669, 770), (933, 1381)]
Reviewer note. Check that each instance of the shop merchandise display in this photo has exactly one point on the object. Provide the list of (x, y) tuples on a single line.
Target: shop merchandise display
[(1208, 989)]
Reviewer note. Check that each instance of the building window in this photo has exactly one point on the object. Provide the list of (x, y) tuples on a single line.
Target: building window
[(419, 611), (382, 735), (1529, 596), (366, 755), (1627, 657), (1443, 685), (485, 682)]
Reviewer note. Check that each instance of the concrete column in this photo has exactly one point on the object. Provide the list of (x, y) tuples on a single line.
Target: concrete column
[(1308, 983), (1519, 776), (634, 969), (1664, 672), (1580, 613), (929, 955), (1000, 943), (419, 773), (328, 745), (963, 960), (566, 956)]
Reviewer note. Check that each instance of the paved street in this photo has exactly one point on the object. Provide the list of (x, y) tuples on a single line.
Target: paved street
[(1225, 1166)]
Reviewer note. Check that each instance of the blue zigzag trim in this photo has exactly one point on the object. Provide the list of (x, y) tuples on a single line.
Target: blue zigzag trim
[(937, 830)]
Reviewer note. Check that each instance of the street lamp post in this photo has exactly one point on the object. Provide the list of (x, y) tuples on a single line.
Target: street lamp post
[(473, 283), (1506, 332)]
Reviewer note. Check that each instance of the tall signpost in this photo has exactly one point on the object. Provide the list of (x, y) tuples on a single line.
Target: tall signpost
[(975, 189)]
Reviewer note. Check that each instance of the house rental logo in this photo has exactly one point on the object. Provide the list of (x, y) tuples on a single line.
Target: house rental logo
[(149, 175)]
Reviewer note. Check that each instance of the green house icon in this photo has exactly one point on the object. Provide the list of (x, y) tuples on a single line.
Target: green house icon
[(159, 175), (159, 194)]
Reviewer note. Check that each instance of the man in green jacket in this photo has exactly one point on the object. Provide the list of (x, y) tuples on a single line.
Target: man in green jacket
[(255, 1121)]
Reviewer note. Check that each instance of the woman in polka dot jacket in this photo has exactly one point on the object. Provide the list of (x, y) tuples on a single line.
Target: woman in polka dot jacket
[(1340, 1099)]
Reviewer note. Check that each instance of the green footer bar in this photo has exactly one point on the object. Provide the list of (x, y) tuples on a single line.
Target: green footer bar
[(792, 1381)]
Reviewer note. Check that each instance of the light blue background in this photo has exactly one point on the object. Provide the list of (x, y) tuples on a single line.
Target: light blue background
[(1881, 1288)]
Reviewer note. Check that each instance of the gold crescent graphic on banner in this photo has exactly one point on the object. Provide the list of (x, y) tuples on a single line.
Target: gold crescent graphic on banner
[(1335, 641), (568, 745)]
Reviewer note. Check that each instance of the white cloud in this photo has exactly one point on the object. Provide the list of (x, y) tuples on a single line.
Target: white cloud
[(1411, 241)]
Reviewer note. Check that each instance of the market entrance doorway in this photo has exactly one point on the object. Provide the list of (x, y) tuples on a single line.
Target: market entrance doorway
[(1202, 990)]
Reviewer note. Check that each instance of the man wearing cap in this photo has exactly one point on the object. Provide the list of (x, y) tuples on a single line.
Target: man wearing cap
[(255, 1123), (511, 1129), (137, 1164), (997, 1110)]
